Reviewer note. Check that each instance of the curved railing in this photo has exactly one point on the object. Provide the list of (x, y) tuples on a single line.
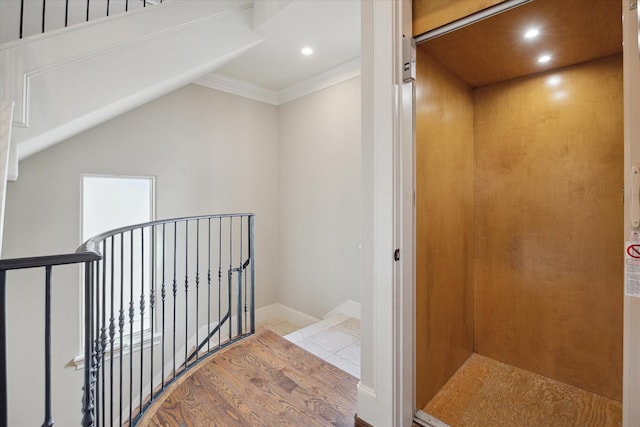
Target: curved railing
[(158, 298)]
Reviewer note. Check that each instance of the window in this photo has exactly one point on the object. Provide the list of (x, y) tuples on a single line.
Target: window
[(110, 202)]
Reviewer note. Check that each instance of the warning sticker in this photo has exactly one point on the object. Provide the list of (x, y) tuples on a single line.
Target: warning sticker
[(632, 269)]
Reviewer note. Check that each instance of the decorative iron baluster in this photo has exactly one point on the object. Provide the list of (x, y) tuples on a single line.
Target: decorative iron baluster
[(163, 294), (108, 5), (186, 288), (4, 409), (98, 344), (240, 293), (121, 323), (209, 287), (175, 292), (44, 13), (66, 13), (132, 313), (152, 301), (103, 328), (88, 1), (197, 281), (230, 273), (252, 312), (112, 331), (48, 418), (220, 281), (88, 398), (142, 307)]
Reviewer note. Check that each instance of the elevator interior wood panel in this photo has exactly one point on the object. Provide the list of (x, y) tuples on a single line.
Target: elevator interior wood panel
[(430, 14), (444, 185), (548, 224), (493, 50)]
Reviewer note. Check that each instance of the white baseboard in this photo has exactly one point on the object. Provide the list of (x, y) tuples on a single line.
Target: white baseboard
[(287, 313), (349, 308), (367, 404)]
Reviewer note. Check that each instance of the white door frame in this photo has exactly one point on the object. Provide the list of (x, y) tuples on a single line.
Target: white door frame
[(631, 367), (385, 391)]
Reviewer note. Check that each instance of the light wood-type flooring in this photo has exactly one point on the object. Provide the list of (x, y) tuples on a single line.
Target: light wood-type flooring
[(484, 392), (263, 380)]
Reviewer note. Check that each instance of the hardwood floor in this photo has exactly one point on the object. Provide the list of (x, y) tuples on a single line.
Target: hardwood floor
[(262, 381), (484, 392)]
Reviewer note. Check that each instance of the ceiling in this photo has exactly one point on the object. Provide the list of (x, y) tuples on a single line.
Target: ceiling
[(494, 50), (330, 27)]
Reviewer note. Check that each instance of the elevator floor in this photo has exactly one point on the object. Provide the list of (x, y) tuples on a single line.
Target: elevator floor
[(484, 392)]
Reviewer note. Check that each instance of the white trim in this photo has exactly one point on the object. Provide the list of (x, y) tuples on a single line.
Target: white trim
[(278, 310), (22, 119), (78, 361), (427, 420), (237, 87), (367, 401), (631, 351), (348, 308), (6, 117), (332, 77)]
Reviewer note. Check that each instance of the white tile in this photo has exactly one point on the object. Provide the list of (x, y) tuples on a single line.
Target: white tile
[(334, 319), (350, 326), (311, 330), (351, 353), (314, 349), (345, 365), (332, 340), (294, 337)]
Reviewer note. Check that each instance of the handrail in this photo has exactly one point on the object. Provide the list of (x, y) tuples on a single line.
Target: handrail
[(155, 290), (48, 260), (91, 245)]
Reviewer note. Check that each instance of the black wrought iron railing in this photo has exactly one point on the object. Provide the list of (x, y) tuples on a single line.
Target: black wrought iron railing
[(158, 298), (38, 16)]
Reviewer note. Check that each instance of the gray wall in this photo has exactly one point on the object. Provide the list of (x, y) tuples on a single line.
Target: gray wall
[(211, 153), (319, 190), (297, 166)]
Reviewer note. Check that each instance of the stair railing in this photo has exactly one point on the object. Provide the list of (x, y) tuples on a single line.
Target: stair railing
[(158, 298), (44, 15)]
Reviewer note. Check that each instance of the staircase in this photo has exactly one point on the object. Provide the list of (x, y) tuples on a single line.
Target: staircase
[(70, 80)]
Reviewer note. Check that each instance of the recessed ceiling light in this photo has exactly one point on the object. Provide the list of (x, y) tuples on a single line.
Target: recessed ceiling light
[(531, 33), (543, 59), (306, 51)]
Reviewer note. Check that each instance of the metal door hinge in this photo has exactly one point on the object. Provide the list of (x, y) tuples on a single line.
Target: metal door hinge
[(396, 255), (633, 5)]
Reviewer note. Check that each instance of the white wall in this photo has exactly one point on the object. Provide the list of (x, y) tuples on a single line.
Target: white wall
[(211, 153), (319, 199)]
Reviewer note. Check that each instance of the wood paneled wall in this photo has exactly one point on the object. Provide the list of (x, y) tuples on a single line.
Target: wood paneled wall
[(430, 14), (548, 224), (444, 257)]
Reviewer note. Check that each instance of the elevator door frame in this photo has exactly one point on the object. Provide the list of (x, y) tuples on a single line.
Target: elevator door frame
[(631, 370)]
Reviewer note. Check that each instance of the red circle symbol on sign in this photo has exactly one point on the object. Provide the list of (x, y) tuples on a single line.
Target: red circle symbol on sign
[(633, 251)]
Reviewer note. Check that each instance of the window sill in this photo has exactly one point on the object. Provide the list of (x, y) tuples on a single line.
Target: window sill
[(78, 361)]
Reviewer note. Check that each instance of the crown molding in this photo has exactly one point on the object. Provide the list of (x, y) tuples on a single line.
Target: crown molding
[(238, 87), (339, 74)]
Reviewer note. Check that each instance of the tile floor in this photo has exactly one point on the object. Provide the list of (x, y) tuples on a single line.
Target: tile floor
[(335, 339)]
